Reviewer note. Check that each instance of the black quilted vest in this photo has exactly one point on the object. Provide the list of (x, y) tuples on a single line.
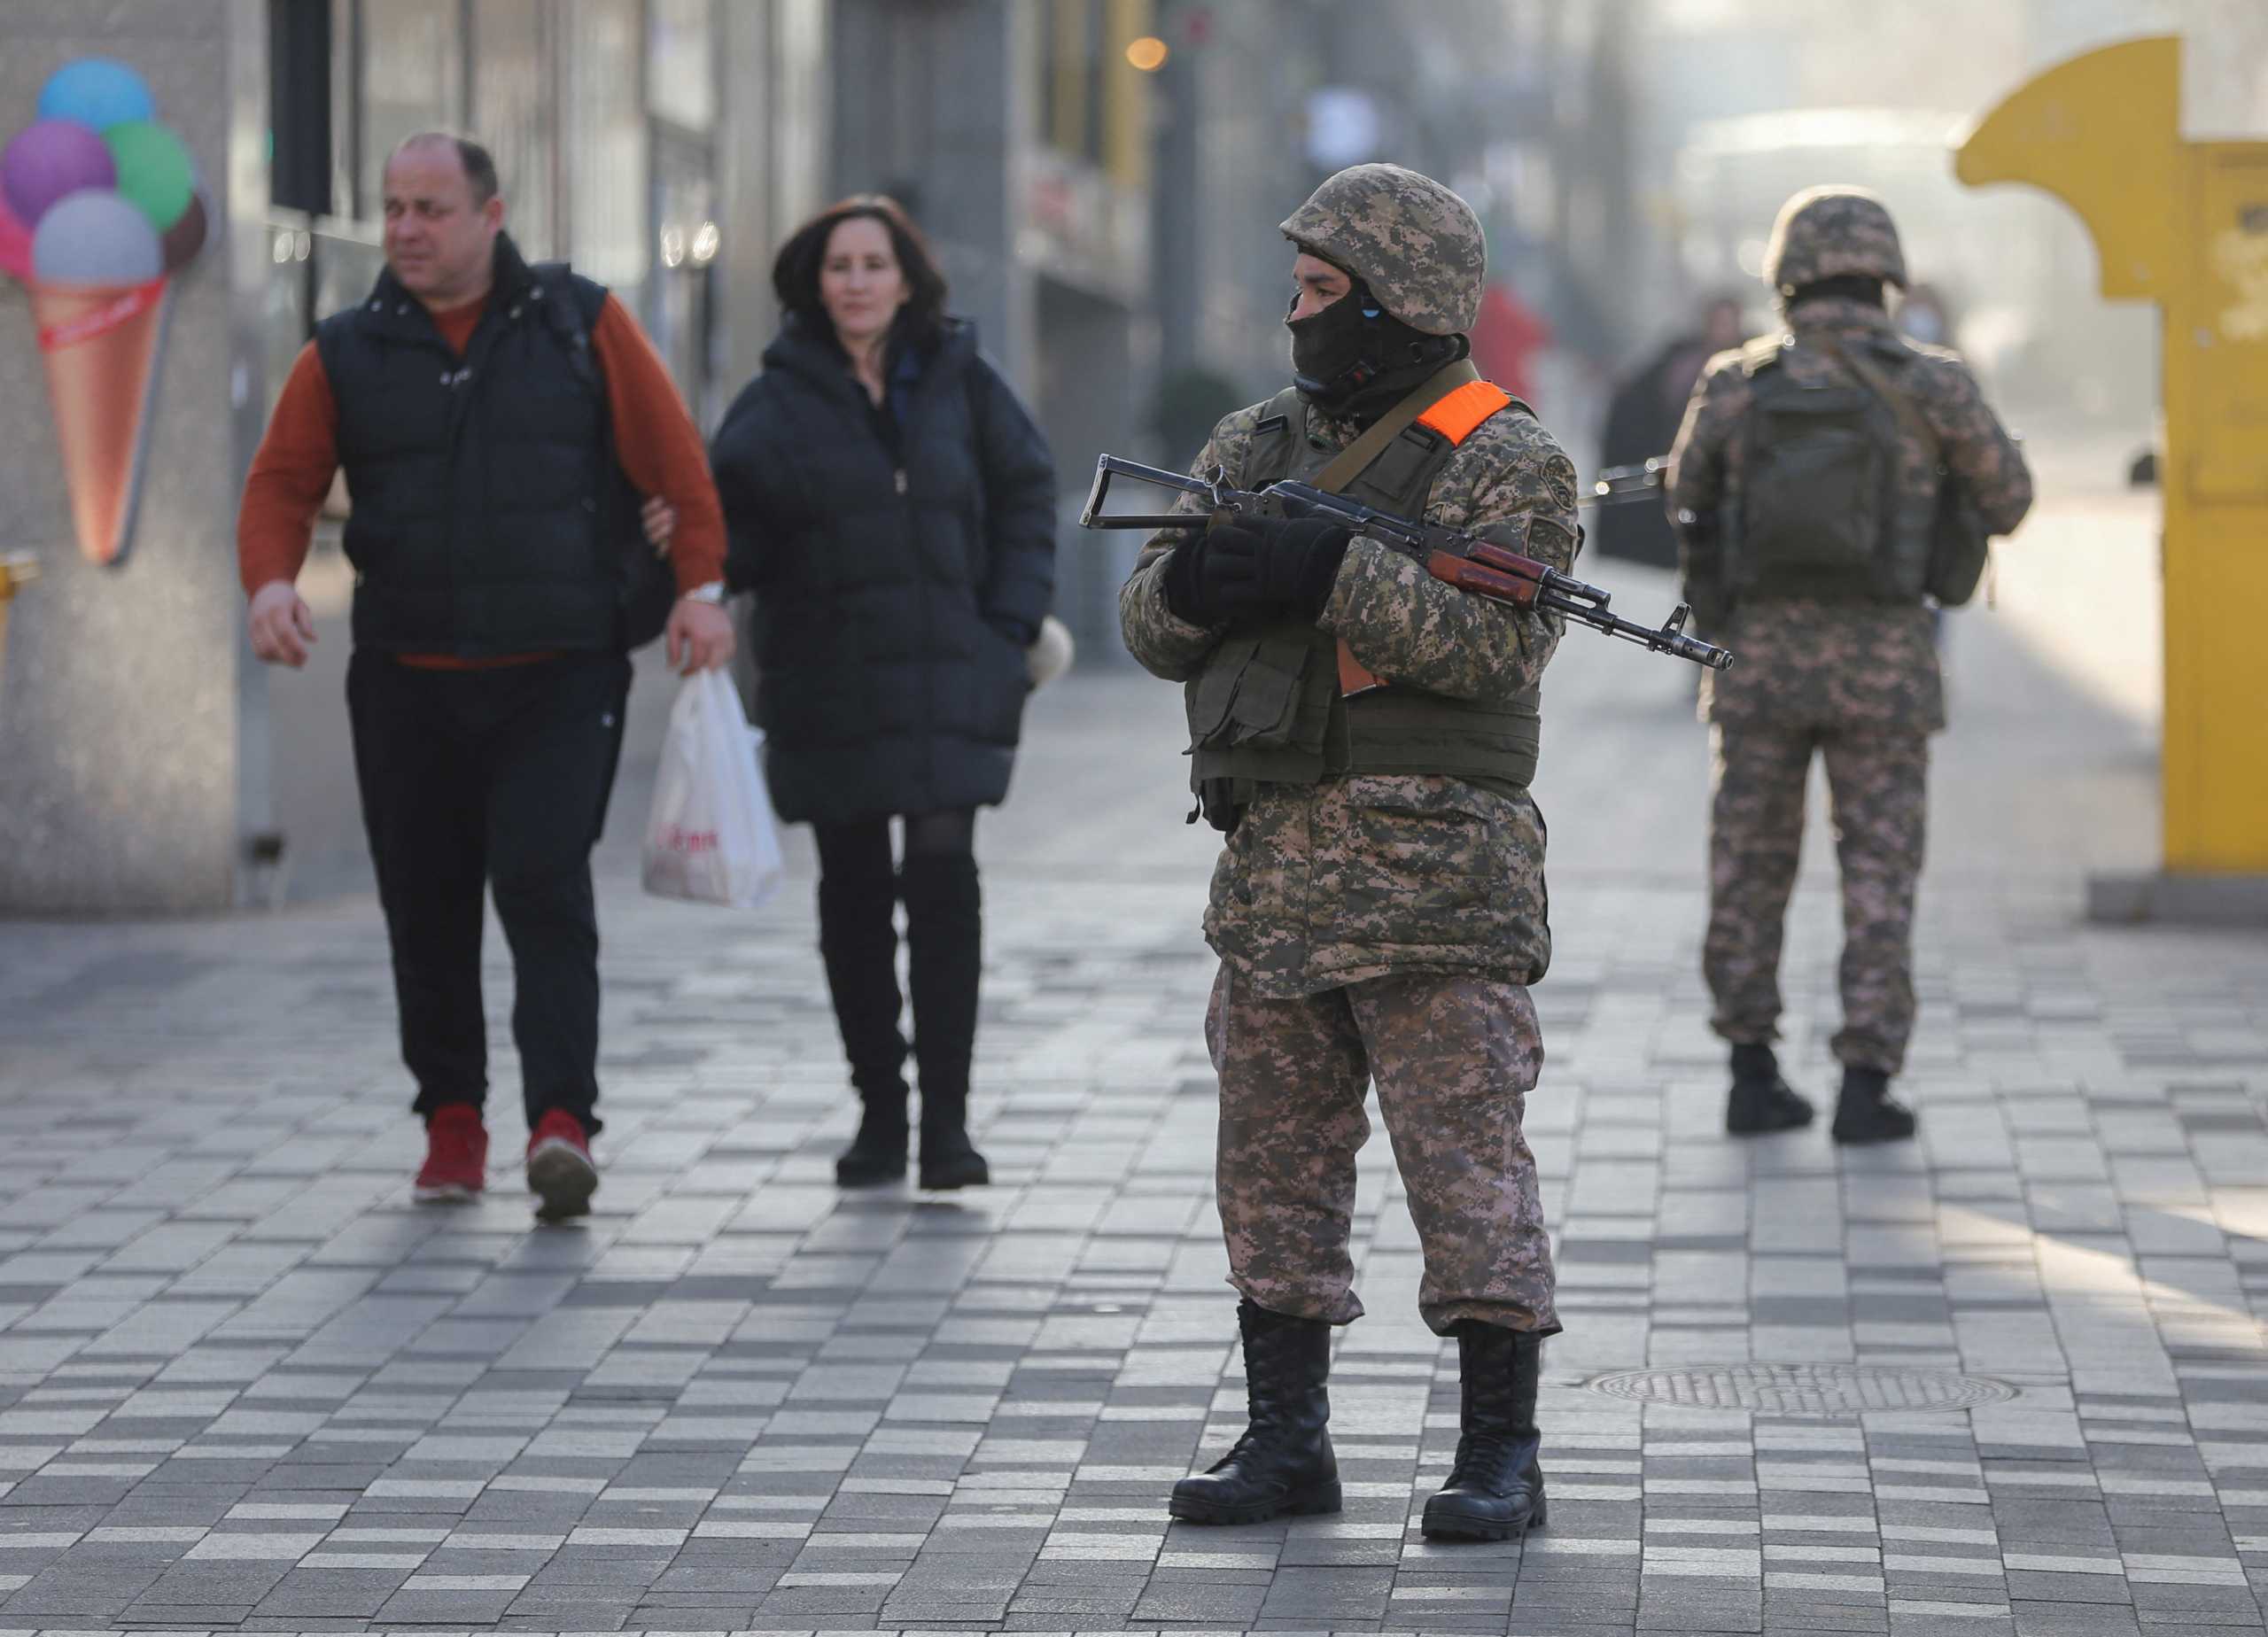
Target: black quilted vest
[(477, 481)]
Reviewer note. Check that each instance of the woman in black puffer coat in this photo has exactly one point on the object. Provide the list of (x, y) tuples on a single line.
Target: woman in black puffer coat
[(893, 509)]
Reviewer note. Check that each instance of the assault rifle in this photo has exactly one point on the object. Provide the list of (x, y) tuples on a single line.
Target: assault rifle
[(1640, 481), (1464, 561)]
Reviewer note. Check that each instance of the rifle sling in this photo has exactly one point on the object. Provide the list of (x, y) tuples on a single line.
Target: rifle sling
[(1901, 404), (1356, 458)]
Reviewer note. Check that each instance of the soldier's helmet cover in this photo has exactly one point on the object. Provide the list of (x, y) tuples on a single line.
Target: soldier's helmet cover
[(1417, 246), (1832, 232)]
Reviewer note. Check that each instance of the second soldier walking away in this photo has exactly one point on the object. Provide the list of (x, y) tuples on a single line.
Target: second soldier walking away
[(893, 509), (1810, 485), (1378, 908)]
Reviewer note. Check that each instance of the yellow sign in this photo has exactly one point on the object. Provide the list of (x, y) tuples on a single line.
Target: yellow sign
[(2185, 225)]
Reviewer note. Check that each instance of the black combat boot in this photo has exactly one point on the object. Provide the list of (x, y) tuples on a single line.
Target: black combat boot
[(1283, 1464), (944, 936), (1866, 1112), (1495, 1488), (1760, 1101), (857, 943)]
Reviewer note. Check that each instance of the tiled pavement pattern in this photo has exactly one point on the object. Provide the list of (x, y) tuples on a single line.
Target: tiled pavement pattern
[(248, 1384)]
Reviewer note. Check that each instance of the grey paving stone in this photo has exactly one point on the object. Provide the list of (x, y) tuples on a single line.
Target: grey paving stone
[(738, 1400)]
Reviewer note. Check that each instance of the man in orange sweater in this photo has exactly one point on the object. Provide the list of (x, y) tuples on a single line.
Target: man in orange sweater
[(489, 415)]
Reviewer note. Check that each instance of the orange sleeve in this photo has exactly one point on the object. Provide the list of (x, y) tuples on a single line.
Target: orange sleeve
[(659, 447), (290, 476)]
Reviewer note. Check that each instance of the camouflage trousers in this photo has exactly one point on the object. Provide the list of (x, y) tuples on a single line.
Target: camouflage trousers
[(1879, 779), (1454, 1057)]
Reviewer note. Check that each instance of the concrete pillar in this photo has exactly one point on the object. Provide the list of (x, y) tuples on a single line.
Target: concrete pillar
[(133, 730), (772, 158), (932, 97)]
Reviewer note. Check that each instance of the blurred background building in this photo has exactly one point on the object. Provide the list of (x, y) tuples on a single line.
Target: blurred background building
[(1103, 179)]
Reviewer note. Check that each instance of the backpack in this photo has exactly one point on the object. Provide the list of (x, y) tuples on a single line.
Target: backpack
[(649, 581), (1818, 510), (1958, 541)]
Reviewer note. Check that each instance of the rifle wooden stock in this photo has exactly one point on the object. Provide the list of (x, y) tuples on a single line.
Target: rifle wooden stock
[(1465, 574), (1354, 677), (1489, 554), (1483, 578)]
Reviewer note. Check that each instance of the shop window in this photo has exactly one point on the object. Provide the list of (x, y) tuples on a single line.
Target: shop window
[(299, 102), (511, 114), (680, 62), (606, 147), (1074, 35), (413, 55)]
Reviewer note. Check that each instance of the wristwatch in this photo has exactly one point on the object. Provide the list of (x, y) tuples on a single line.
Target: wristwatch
[(713, 592)]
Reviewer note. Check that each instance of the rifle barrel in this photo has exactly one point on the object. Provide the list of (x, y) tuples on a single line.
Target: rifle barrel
[(1669, 639), (1635, 482)]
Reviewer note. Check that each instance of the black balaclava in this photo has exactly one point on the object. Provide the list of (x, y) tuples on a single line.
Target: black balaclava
[(1846, 286), (1354, 359)]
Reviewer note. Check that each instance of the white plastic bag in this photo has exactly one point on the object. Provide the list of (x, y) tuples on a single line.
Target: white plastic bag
[(710, 836)]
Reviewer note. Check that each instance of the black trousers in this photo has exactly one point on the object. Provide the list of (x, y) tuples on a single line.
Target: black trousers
[(858, 892), (491, 781)]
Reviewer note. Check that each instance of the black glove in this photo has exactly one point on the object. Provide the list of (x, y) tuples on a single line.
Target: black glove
[(1014, 630), (1246, 569)]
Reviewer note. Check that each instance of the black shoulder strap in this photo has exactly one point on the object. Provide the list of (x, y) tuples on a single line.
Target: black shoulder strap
[(1356, 458), (571, 307), (571, 310), (1877, 381)]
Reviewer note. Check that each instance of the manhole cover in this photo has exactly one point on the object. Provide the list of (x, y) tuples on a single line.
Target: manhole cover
[(1819, 1390)]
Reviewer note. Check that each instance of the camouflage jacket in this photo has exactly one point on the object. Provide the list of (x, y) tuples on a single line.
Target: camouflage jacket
[(1329, 884), (1803, 662)]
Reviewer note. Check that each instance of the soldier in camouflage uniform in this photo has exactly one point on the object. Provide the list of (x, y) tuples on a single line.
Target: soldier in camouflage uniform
[(1378, 909), (1823, 591)]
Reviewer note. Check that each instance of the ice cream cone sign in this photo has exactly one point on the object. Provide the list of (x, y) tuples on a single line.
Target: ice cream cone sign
[(99, 208)]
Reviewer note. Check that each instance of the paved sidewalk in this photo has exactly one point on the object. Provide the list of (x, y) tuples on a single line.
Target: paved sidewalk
[(248, 1384)]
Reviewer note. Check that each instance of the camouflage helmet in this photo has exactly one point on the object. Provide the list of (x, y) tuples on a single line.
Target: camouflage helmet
[(1832, 232), (1417, 245)]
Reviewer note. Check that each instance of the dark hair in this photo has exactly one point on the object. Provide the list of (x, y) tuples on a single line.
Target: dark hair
[(795, 275), (479, 164)]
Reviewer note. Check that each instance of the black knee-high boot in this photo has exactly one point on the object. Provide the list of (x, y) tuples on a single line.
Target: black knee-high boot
[(944, 935), (858, 941)]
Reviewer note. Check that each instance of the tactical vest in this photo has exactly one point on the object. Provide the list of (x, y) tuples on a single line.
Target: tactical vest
[(1820, 510), (1267, 707), (476, 525)]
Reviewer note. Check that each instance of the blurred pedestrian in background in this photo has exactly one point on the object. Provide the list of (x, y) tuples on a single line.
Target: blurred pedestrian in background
[(1642, 422), (1809, 487), (892, 507), (487, 412), (1507, 339)]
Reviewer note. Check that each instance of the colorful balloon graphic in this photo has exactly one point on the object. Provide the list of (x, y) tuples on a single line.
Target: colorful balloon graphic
[(153, 170), (49, 158), (15, 242), (99, 205), (186, 236), (97, 93), (96, 237)]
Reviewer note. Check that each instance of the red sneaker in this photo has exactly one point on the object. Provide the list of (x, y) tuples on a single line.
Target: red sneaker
[(560, 1171), (456, 1156)]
